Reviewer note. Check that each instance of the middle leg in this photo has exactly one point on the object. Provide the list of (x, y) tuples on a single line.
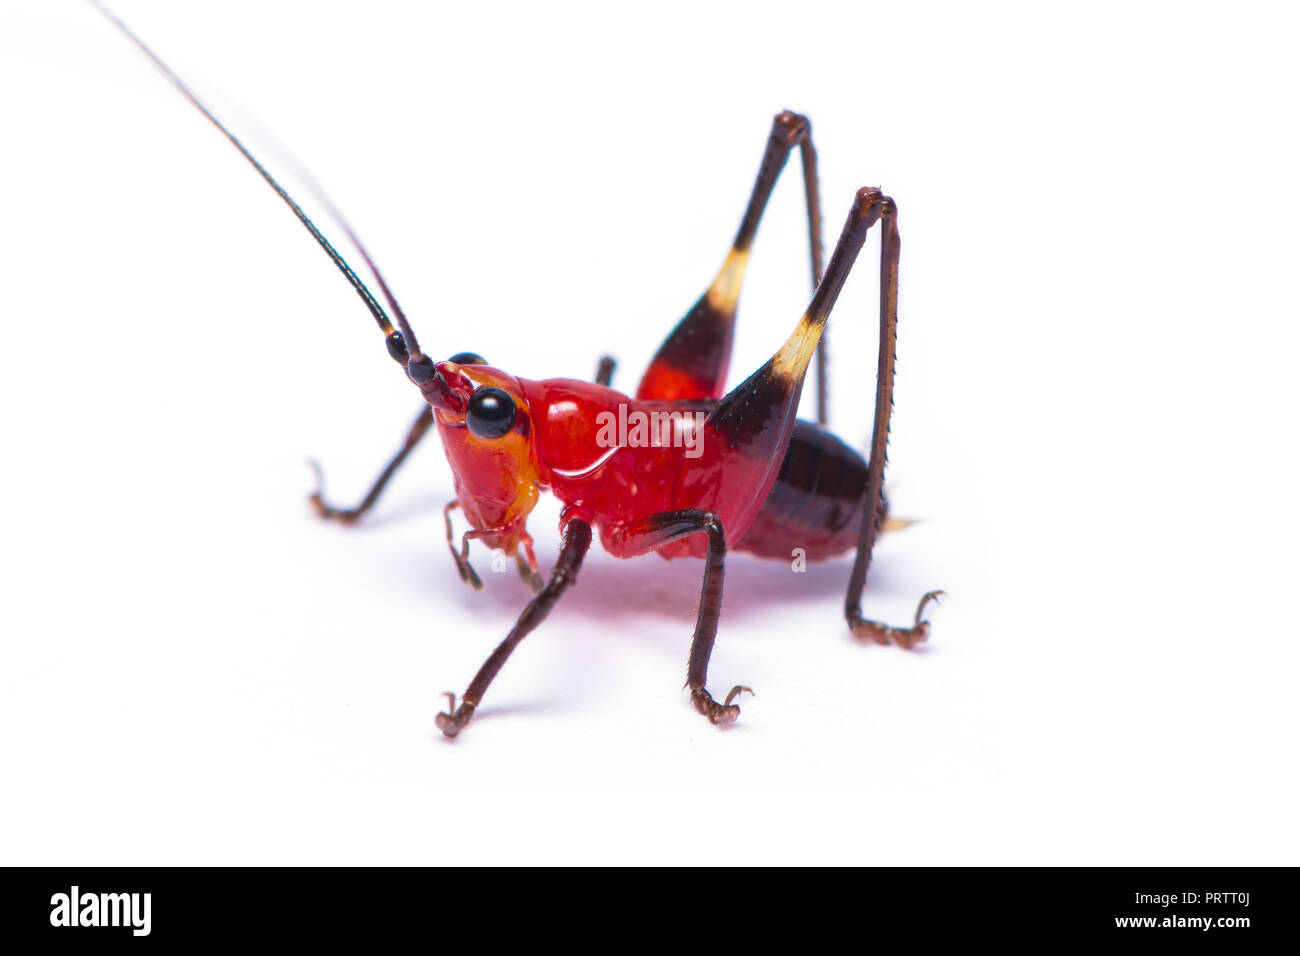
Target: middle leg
[(657, 530), (605, 370), (352, 515)]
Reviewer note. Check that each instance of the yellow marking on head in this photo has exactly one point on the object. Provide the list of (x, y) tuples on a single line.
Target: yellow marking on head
[(725, 291)]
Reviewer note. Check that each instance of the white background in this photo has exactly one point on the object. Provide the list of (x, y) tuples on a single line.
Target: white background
[(1095, 418)]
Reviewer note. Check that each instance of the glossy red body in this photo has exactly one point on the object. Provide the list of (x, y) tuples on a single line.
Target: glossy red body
[(681, 469), (563, 442)]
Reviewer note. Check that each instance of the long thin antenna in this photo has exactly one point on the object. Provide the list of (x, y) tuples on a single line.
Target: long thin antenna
[(381, 317), (323, 198)]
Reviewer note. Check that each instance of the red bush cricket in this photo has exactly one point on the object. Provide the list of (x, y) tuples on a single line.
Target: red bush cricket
[(713, 469)]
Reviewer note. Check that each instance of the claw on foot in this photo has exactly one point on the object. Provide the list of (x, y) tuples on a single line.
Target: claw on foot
[(529, 576), (453, 719), (905, 637), (317, 499), (461, 555), (724, 713), (467, 572)]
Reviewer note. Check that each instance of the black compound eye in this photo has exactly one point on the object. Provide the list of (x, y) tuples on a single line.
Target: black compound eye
[(397, 347), (491, 412), (468, 358)]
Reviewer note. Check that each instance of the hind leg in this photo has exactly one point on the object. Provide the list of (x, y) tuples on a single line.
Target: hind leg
[(873, 510), (692, 362), (905, 637)]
